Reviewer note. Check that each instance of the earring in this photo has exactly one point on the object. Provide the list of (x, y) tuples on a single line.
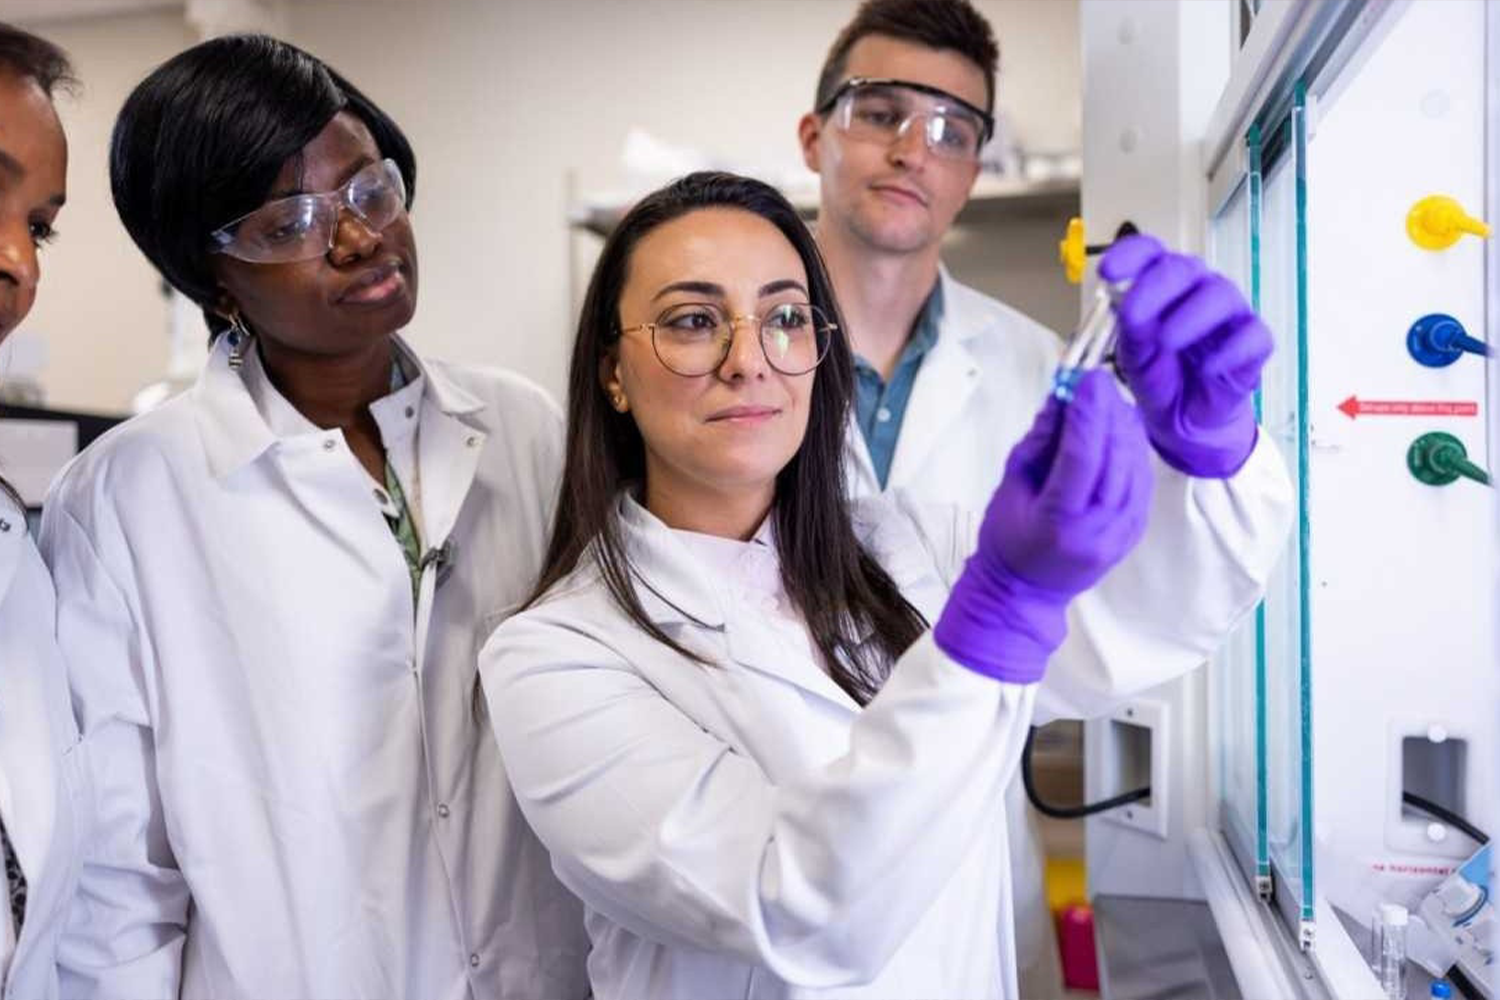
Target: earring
[(618, 399), (239, 341)]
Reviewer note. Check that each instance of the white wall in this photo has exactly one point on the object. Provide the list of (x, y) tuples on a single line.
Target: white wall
[(504, 102)]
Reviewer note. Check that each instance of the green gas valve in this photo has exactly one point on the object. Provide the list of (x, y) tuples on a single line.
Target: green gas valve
[(1438, 459)]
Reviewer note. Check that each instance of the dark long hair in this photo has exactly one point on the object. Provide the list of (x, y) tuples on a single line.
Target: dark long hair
[(853, 610)]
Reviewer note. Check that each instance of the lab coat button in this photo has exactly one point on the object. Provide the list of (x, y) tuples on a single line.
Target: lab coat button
[(328, 444), (442, 810), (473, 441), (473, 961), (410, 412), (4, 525)]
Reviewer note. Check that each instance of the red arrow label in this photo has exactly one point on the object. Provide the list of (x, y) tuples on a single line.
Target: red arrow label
[(1354, 407)]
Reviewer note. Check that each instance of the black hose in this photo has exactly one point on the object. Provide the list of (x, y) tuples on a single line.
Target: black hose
[(1127, 228), (1071, 812), (1448, 816), (1464, 984), (1412, 799)]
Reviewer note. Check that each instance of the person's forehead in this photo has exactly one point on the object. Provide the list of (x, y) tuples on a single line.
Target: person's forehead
[(31, 134), (27, 109), (326, 159), (881, 56), (726, 246)]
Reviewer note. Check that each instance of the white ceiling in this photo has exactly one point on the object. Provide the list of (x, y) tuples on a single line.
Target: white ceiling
[(32, 11)]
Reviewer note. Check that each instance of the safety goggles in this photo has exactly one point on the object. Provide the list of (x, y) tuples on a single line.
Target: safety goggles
[(882, 110), (694, 338), (303, 226)]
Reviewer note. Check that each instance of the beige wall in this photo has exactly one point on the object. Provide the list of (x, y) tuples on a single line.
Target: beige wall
[(100, 310), (504, 102)]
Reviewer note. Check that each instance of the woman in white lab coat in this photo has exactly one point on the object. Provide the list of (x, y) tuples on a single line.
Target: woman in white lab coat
[(722, 710), (44, 795), (273, 588)]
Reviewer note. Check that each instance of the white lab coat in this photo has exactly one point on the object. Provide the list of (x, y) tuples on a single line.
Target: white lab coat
[(298, 793), (744, 828), (44, 784), (975, 395)]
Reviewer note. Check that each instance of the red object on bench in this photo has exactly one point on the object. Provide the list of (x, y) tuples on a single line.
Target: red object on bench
[(1075, 943)]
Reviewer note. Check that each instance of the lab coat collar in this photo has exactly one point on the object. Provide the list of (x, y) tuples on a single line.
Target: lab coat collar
[(446, 394), (862, 478), (235, 433), (948, 376), (670, 586), (13, 541), (674, 588), (966, 313)]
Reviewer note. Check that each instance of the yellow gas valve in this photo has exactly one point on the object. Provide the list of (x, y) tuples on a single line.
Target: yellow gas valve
[(1437, 222)]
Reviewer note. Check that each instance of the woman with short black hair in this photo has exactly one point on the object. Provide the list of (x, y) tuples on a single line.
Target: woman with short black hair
[(273, 587), (44, 812), (178, 173)]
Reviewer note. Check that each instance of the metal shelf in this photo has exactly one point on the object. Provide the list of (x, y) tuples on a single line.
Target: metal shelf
[(993, 199)]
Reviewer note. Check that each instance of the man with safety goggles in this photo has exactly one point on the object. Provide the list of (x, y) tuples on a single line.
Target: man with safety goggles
[(883, 110), (947, 377)]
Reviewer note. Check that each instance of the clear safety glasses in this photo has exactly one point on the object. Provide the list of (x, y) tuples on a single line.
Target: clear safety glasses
[(303, 226), (882, 110), (694, 338)]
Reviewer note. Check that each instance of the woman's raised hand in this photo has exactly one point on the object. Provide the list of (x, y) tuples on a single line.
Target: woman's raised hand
[(1073, 502)]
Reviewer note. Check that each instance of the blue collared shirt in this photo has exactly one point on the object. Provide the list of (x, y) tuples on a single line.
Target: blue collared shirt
[(881, 406)]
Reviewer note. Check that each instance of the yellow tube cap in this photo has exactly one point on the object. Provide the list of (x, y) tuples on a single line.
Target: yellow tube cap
[(1071, 251), (1437, 222)]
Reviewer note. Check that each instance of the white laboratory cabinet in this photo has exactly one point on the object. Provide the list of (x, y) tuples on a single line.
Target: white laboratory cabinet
[(1346, 741)]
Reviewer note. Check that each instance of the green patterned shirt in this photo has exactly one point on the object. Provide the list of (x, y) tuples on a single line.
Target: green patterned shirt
[(404, 524)]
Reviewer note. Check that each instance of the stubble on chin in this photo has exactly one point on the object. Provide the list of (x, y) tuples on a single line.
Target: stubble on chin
[(887, 237)]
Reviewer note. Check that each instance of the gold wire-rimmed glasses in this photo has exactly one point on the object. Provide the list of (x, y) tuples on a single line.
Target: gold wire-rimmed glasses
[(693, 338)]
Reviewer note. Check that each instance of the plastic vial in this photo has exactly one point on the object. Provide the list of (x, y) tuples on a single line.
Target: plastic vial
[(1390, 951), (1092, 341)]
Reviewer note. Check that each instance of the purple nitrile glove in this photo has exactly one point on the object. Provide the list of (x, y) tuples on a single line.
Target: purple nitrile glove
[(1191, 349), (1073, 502)]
